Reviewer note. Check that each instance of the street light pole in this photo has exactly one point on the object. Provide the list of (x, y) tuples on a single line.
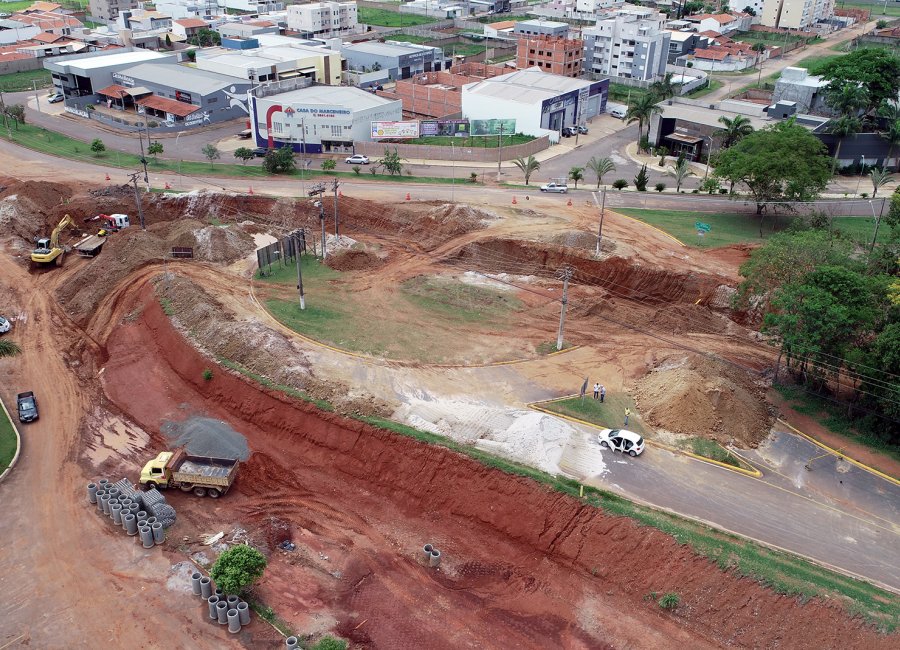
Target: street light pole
[(37, 100), (708, 155), (602, 212), (862, 170)]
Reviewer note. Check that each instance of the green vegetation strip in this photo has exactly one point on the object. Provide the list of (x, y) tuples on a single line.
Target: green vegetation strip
[(387, 18), (8, 442), (19, 81), (609, 415), (712, 86), (878, 8), (783, 572), (730, 228), (57, 144)]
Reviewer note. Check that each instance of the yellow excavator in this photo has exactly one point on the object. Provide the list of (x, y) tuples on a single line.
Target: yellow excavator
[(48, 249)]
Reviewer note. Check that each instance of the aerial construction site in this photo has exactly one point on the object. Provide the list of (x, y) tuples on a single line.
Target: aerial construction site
[(410, 403)]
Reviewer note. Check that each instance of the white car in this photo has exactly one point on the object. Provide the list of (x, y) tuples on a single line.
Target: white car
[(555, 187), (357, 159), (4, 325), (628, 442)]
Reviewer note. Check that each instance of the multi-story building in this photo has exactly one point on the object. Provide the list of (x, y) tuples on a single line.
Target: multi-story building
[(541, 28), (108, 10), (562, 56), (630, 42), (323, 19), (796, 14)]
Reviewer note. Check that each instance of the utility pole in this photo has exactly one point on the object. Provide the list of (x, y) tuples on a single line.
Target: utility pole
[(499, 150), (143, 158), (296, 237), (564, 274), (319, 190), (602, 212), (334, 186), (137, 198), (37, 100)]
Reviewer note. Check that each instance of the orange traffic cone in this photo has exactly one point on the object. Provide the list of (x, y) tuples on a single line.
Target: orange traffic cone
[(514, 201), (407, 196), (569, 203), (107, 177), (251, 189), (340, 195)]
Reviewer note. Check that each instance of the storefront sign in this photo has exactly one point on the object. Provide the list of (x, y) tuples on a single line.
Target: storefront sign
[(395, 129), (123, 80), (182, 96)]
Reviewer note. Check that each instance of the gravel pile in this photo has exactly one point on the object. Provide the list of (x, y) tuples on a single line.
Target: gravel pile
[(207, 437)]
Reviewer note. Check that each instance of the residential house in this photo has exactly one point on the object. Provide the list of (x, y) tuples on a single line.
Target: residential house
[(188, 27)]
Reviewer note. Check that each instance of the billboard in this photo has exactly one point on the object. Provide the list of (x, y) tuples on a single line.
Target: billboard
[(395, 129), (493, 127), (457, 128)]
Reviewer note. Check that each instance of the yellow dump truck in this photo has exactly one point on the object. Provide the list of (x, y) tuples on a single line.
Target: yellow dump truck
[(202, 475)]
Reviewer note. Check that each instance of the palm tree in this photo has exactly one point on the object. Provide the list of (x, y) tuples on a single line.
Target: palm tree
[(842, 127), (880, 178), (601, 166), (664, 88), (847, 98), (576, 174), (641, 110), (891, 132), (680, 172), (735, 130), (528, 167), (8, 349)]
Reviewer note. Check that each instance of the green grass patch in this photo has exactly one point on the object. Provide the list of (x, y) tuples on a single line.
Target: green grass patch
[(549, 347), (387, 18), (459, 302), (608, 415), (410, 38), (313, 270), (474, 142), (712, 450), (463, 49), (19, 81), (711, 86), (268, 383), (877, 8), (621, 93), (496, 19), (268, 614), (7, 441), (767, 38), (16, 5), (816, 63), (834, 418)]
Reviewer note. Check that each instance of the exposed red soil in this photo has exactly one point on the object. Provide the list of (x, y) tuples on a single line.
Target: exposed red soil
[(523, 566)]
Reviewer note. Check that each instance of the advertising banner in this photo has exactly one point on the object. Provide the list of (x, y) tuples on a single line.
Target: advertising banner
[(450, 128), (395, 129), (493, 127)]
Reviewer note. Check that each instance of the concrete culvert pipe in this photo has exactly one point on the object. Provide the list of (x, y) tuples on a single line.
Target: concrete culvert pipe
[(159, 535), (150, 521), (220, 594), (141, 517), (212, 601), (146, 536), (232, 601), (244, 612), (426, 552), (134, 509), (222, 612), (129, 521), (206, 588), (195, 583), (234, 621), (435, 558), (100, 495), (104, 502), (92, 492), (103, 482), (116, 510), (292, 643)]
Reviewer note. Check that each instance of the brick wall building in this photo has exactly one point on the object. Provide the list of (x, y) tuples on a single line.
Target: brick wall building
[(560, 56)]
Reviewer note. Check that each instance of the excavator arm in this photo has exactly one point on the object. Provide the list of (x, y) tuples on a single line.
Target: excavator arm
[(54, 237)]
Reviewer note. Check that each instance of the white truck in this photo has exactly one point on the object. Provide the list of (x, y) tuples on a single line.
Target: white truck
[(559, 188)]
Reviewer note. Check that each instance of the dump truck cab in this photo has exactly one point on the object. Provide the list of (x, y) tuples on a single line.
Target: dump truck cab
[(157, 471)]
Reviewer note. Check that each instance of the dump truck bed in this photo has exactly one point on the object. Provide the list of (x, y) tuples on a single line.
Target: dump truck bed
[(90, 246), (205, 471)]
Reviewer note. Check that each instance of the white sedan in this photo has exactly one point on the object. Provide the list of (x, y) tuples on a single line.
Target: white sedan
[(357, 159), (628, 442)]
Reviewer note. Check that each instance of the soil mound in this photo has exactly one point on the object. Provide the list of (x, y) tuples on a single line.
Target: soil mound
[(693, 395), (354, 260), (24, 204)]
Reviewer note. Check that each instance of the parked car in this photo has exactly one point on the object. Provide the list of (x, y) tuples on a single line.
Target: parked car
[(555, 187), (619, 112), (357, 159), (55, 98), (260, 152), (583, 130), (568, 132), (628, 442), (5, 325), (27, 405)]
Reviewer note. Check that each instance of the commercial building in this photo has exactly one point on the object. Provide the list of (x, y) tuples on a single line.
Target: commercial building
[(541, 103), (393, 60), (316, 119), (806, 90), (541, 28), (323, 19), (80, 75), (273, 63), (108, 10), (630, 43), (552, 54), (796, 14)]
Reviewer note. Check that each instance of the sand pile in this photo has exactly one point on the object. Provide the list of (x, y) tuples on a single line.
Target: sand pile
[(693, 395)]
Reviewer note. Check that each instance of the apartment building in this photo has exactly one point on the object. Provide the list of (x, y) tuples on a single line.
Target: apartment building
[(796, 14), (323, 19), (108, 10), (562, 56), (630, 42)]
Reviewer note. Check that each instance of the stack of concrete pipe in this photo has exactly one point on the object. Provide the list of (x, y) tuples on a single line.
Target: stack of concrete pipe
[(152, 501), (224, 609), (430, 555), (122, 503)]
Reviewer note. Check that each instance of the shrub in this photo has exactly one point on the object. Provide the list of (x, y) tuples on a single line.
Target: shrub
[(473, 177), (207, 374), (659, 187), (356, 169), (328, 165), (620, 184), (669, 601), (695, 191), (237, 568), (8, 348), (97, 146), (641, 179)]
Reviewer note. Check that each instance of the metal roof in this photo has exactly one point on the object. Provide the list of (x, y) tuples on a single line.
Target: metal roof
[(384, 49), (182, 77), (348, 96), (527, 86), (119, 58)]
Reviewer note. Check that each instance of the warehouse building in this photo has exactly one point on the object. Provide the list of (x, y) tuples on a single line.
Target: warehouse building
[(83, 75), (273, 63), (393, 60), (317, 119)]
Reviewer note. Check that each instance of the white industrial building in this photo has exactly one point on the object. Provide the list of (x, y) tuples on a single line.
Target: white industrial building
[(317, 119), (323, 19), (274, 63), (542, 103), (631, 42)]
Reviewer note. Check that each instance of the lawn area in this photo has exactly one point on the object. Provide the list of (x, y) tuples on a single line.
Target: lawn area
[(463, 49), (503, 18), (17, 81), (387, 18), (608, 415), (815, 63), (410, 38), (621, 92), (877, 8), (730, 228), (7, 441), (711, 449), (767, 38), (711, 86)]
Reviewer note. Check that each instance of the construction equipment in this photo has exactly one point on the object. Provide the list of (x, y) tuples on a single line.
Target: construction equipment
[(110, 222), (201, 475), (91, 245), (48, 249)]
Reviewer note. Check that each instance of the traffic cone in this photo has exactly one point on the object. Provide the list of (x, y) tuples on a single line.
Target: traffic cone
[(569, 203), (407, 196), (514, 201), (340, 195), (251, 189), (107, 177)]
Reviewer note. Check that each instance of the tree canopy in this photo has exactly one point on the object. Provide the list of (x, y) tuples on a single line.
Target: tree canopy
[(237, 568), (876, 69), (783, 162)]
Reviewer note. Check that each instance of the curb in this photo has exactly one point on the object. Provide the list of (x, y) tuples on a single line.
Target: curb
[(15, 457), (839, 454), (754, 473)]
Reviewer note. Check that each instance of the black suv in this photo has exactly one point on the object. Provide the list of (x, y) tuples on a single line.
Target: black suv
[(27, 404)]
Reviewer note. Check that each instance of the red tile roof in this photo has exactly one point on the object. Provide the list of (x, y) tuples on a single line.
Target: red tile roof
[(47, 37), (192, 22), (116, 91), (168, 105), (722, 19), (46, 20), (713, 55)]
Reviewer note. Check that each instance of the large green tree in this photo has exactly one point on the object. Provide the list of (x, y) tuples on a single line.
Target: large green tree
[(783, 162), (237, 568), (878, 70)]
